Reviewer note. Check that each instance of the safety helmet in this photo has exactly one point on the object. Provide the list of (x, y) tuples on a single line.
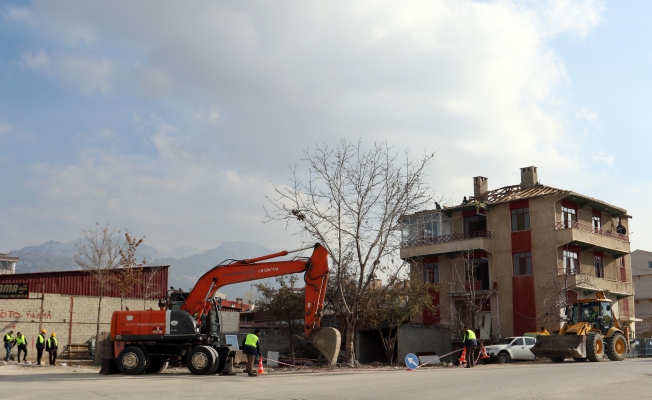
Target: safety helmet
[(43, 331), (54, 334)]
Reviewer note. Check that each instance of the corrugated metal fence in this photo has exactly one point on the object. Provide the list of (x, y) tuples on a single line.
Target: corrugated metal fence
[(153, 283)]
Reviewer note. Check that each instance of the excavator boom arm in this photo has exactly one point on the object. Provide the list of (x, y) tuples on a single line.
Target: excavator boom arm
[(316, 277)]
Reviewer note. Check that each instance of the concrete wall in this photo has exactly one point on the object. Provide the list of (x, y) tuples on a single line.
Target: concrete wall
[(73, 318), (422, 338)]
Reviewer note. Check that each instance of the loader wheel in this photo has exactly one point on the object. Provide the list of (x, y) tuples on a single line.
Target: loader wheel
[(156, 365), (557, 359), (200, 360), (594, 347), (616, 347), (132, 360)]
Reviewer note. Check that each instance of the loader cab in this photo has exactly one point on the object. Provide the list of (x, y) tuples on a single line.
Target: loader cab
[(597, 313)]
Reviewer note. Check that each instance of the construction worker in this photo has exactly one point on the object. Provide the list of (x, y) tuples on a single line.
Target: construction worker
[(21, 343), (40, 346), (251, 347), (51, 346), (470, 343), (9, 343)]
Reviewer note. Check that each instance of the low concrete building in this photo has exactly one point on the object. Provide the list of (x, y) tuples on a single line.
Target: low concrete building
[(513, 251), (7, 264)]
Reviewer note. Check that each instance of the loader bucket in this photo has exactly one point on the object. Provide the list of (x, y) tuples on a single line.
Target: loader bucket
[(327, 341), (566, 346)]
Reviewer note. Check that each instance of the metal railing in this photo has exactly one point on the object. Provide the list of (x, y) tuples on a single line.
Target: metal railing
[(445, 238), (589, 228)]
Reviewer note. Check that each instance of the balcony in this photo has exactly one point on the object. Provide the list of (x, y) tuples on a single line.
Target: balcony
[(447, 244), (595, 284), (589, 238)]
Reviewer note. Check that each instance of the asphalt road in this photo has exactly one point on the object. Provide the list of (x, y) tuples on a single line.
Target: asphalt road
[(631, 379)]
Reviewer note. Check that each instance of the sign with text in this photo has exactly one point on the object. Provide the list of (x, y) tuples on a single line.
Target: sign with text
[(14, 291)]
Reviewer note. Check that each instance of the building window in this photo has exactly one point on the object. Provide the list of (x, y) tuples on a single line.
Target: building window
[(522, 263), (599, 267), (597, 223), (568, 216), (571, 262), (476, 223), (431, 272), (521, 219), (425, 226), (649, 263)]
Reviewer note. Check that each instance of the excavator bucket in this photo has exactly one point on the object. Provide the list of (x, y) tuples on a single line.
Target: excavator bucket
[(327, 341), (566, 346)]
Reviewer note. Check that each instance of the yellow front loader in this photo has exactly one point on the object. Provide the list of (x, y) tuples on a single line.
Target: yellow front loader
[(592, 331)]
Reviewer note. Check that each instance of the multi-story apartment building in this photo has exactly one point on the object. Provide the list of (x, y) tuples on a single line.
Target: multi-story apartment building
[(642, 278), (7, 264), (517, 253)]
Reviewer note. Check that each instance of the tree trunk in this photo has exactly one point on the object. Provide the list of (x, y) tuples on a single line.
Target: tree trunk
[(350, 342)]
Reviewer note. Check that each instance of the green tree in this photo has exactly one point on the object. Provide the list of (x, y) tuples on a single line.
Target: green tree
[(394, 304), (284, 305)]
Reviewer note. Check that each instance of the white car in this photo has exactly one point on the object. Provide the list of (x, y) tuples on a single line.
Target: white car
[(512, 348)]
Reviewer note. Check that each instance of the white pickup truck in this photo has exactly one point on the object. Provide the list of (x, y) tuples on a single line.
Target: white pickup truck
[(512, 348)]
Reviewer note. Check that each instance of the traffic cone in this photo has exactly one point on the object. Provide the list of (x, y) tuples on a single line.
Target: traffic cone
[(462, 359), (483, 352), (260, 366)]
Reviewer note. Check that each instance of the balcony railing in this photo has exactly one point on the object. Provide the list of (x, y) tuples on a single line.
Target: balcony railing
[(445, 238), (589, 228)]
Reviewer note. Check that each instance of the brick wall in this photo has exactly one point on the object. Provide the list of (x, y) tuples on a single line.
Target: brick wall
[(73, 318)]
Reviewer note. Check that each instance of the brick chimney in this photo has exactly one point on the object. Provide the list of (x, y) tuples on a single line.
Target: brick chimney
[(480, 186), (529, 177)]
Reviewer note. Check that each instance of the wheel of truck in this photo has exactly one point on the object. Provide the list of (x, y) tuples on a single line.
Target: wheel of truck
[(594, 346), (156, 365), (200, 360), (216, 364), (557, 359), (132, 360), (504, 358), (579, 359), (616, 347)]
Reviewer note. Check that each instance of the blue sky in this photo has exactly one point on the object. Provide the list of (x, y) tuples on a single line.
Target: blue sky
[(171, 119)]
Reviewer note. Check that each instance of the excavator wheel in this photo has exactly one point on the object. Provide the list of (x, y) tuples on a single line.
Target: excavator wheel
[(156, 365), (616, 348), (216, 364), (132, 360), (594, 346), (201, 360)]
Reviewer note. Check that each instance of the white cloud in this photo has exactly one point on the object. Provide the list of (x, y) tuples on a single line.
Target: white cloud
[(40, 62), (587, 115), (578, 16), (255, 84), (20, 14), (86, 74), (4, 128)]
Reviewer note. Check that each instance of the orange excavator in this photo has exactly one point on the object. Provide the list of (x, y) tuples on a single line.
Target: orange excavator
[(186, 326)]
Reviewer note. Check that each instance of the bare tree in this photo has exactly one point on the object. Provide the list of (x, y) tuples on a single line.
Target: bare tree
[(560, 291), (351, 202), (474, 297), (150, 282), (129, 270), (99, 255)]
